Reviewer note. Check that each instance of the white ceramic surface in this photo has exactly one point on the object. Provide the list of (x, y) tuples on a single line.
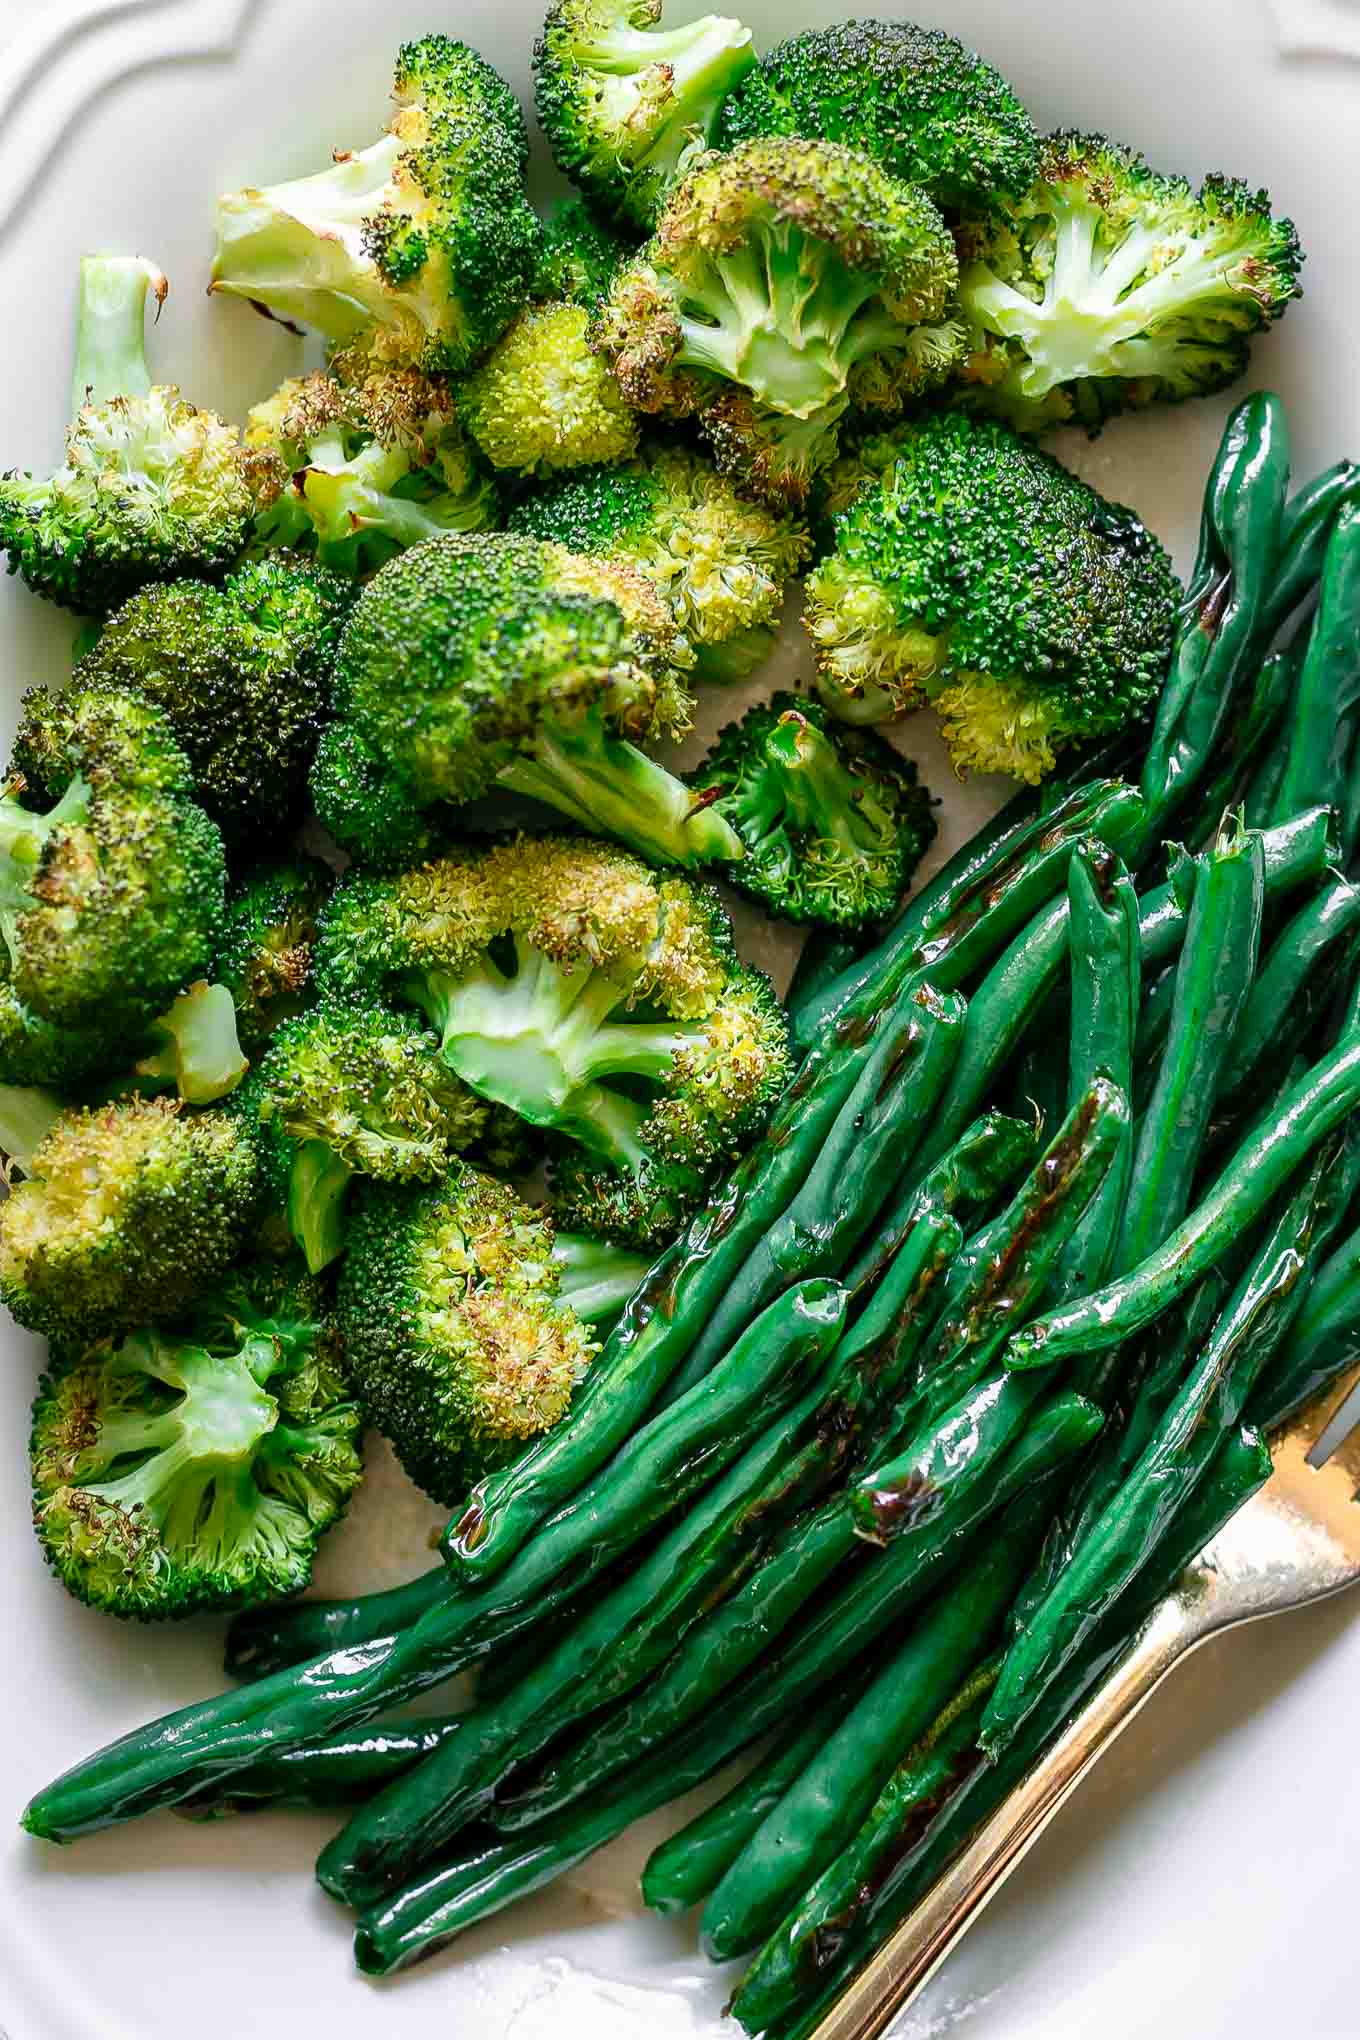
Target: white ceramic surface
[(1200, 1885)]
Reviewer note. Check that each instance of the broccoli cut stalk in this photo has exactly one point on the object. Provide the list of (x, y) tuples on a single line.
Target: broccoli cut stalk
[(23, 838), (195, 1046), (27, 1115)]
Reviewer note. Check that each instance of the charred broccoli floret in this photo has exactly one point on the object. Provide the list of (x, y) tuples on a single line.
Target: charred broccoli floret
[(244, 674), (541, 400), (578, 255), (111, 892), (473, 663), (423, 242), (1109, 285), (984, 578), (833, 819), (198, 1467), (624, 102), (457, 1342), (354, 471), (265, 955), (128, 1209), (593, 997), (928, 109), (720, 561), (785, 281), (150, 488)]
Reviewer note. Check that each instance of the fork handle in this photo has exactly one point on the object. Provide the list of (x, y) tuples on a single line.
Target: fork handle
[(906, 1962)]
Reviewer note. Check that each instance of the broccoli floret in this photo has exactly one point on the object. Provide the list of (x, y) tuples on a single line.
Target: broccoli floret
[(1109, 286), (128, 1210), (542, 400), (593, 997), (832, 817), (371, 813), (784, 282), (111, 900), (596, 1277), (914, 98), (150, 489), (720, 561), (265, 955), (984, 578), (355, 471), (34, 1051), (352, 1089), (198, 1467), (578, 255), (423, 243), (455, 1338), (244, 674), (624, 103), (473, 663)]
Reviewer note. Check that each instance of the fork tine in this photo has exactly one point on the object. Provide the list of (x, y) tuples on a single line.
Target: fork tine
[(1304, 1430)]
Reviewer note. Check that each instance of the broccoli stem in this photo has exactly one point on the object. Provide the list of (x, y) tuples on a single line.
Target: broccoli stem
[(111, 328), (318, 1183), (197, 1048), (704, 60), (817, 792), (613, 789), (597, 1277), (27, 1115)]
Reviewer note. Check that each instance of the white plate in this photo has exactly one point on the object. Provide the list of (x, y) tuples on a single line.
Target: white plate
[(1200, 1884)]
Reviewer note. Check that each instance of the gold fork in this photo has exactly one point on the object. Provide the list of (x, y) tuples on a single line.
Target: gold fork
[(1294, 1542)]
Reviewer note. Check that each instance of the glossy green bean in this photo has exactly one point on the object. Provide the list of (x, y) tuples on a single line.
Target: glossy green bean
[(1324, 1338), (987, 1158), (1243, 746), (1267, 1031), (264, 1640), (344, 1771), (1305, 528), (1326, 702), (826, 955), (1297, 853)]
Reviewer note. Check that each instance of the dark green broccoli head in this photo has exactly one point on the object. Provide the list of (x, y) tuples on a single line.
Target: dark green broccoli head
[(129, 1209), (151, 488), (457, 1343), (578, 255), (832, 817), (594, 998), (45, 1052), (543, 400), (244, 674), (931, 111), (983, 577), (1109, 286), (371, 813), (111, 900), (423, 243), (624, 102), (175, 1470), (264, 957)]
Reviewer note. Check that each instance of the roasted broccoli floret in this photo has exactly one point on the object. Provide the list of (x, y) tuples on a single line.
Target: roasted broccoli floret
[(1108, 286), (150, 488), (596, 1277), (198, 1467), (352, 1089), (473, 663), (720, 561), (244, 674), (34, 1051), (423, 243), (593, 997), (928, 109), (111, 891), (982, 577), (833, 819), (355, 471), (578, 255), (457, 1343), (265, 955), (128, 1209), (784, 282), (371, 813), (624, 102), (542, 400)]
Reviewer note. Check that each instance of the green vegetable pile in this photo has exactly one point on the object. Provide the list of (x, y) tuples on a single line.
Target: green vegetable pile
[(838, 1380)]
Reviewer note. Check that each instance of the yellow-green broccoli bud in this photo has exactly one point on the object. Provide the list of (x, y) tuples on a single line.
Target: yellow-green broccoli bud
[(541, 400)]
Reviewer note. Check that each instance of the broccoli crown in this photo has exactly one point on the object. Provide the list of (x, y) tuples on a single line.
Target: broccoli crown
[(243, 673), (455, 1338), (369, 811), (129, 1209), (541, 400), (833, 819), (264, 957), (355, 471), (110, 901), (983, 577), (1109, 286), (151, 488), (424, 242), (351, 1089), (931, 111), (578, 254), (34, 1051), (623, 102), (593, 997), (720, 561), (176, 1470)]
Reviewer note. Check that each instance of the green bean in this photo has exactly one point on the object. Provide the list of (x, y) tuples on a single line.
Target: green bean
[(1298, 852), (1326, 699), (264, 1640), (343, 1771), (1243, 747), (1305, 529), (1268, 1028), (985, 1160), (1213, 981), (1261, 1167), (1325, 1336), (826, 955)]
